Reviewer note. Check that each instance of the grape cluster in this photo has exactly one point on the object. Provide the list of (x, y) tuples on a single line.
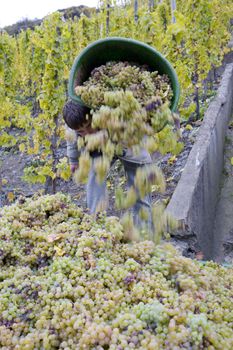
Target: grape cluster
[(69, 281)]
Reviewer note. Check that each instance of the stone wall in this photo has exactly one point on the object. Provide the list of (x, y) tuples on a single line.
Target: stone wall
[(194, 200)]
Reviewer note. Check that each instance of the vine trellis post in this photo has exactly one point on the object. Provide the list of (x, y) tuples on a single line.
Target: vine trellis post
[(136, 11), (173, 8)]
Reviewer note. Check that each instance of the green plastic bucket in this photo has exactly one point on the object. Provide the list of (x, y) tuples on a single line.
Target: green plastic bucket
[(119, 49)]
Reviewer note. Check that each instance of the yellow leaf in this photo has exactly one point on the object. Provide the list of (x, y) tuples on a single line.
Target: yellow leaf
[(53, 237), (122, 181), (172, 159), (10, 196), (59, 251), (165, 200), (170, 179), (22, 147), (4, 181), (66, 72), (188, 127), (232, 161), (226, 50)]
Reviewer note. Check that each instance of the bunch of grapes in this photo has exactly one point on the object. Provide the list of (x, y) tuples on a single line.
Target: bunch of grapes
[(69, 281)]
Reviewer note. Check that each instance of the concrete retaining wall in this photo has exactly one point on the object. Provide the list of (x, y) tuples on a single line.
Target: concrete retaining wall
[(194, 200)]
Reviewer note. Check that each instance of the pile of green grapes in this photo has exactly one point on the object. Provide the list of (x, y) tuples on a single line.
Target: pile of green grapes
[(125, 76), (69, 281), (128, 102)]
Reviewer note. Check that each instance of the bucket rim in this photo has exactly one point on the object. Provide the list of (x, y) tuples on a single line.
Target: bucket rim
[(130, 42)]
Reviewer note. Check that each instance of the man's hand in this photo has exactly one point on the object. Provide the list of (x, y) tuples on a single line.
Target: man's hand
[(73, 167)]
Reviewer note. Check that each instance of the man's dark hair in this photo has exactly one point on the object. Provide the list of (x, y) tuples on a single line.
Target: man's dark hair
[(74, 114)]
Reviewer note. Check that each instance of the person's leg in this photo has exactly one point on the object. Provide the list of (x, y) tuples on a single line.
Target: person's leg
[(142, 204), (97, 196)]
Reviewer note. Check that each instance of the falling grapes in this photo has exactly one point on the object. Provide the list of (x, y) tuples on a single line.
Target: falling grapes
[(69, 281), (130, 109)]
